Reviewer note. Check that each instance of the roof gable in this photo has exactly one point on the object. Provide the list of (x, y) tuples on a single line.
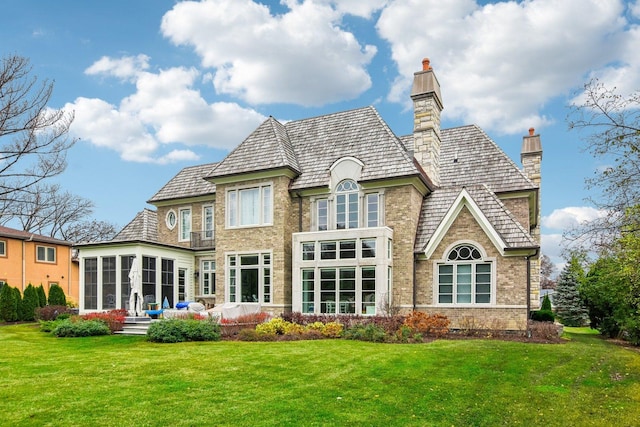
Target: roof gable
[(442, 207)]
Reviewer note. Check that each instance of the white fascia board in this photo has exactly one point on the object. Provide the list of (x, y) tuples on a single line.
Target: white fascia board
[(464, 199)]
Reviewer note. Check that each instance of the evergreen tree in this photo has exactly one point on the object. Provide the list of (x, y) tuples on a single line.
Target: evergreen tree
[(56, 296), (546, 303), (29, 303), (8, 309), (570, 307), (42, 297)]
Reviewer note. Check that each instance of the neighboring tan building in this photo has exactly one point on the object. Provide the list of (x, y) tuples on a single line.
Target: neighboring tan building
[(40, 260), (336, 214)]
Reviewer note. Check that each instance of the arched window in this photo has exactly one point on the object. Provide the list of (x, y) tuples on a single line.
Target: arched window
[(347, 204), (465, 277)]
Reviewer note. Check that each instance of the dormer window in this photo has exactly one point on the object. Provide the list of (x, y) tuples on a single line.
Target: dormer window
[(347, 205)]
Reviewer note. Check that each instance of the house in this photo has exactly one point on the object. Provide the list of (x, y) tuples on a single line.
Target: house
[(337, 214), (29, 258)]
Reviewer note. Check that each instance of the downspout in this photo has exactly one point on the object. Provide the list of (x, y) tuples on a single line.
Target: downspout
[(415, 289)]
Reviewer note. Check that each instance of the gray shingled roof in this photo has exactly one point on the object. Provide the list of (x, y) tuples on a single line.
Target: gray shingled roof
[(311, 146), (268, 147), (437, 204), (144, 227), (189, 182), (479, 160)]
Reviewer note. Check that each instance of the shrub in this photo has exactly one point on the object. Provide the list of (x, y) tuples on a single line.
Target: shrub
[(276, 326), (8, 304), (423, 323), (80, 328), (331, 330), (42, 297), (52, 312), (253, 335), (29, 303), (543, 316), (56, 295), (368, 332), (114, 319), (179, 330), (49, 325), (252, 318), (543, 331), (546, 303)]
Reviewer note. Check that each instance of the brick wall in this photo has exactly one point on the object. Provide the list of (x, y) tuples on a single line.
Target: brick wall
[(511, 279), (275, 238)]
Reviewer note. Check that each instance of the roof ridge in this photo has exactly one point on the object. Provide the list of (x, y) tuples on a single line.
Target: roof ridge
[(336, 113)]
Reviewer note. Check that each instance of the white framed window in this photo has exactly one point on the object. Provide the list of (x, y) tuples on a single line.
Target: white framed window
[(207, 221), (322, 214), (185, 224), (308, 251), (372, 209), (171, 219), (465, 277), (208, 277), (342, 290), (46, 254), (347, 201), (3, 248), (249, 277), (251, 206)]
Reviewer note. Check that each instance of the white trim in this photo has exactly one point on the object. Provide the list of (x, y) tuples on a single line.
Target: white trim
[(175, 219), (464, 199)]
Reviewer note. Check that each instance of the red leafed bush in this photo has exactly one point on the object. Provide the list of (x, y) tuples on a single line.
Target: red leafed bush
[(254, 318), (114, 319), (423, 323)]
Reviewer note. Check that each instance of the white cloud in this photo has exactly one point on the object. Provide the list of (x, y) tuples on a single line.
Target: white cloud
[(125, 68), (103, 125), (302, 56), (570, 217), (552, 246), (498, 64), (166, 108)]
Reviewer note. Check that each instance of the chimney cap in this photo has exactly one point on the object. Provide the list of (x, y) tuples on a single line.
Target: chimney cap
[(426, 64), (532, 131)]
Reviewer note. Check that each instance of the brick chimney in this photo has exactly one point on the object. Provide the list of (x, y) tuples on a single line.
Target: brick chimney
[(427, 106)]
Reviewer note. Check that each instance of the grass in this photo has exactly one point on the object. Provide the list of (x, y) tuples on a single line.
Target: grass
[(126, 381)]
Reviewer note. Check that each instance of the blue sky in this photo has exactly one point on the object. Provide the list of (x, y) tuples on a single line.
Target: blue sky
[(157, 85)]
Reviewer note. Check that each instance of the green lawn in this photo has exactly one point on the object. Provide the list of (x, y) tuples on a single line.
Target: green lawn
[(126, 381)]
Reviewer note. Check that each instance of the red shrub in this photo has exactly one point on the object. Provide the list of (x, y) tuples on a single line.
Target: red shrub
[(114, 319), (253, 318), (421, 322)]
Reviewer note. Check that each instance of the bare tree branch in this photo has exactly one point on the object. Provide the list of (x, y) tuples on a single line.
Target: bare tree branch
[(33, 138)]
